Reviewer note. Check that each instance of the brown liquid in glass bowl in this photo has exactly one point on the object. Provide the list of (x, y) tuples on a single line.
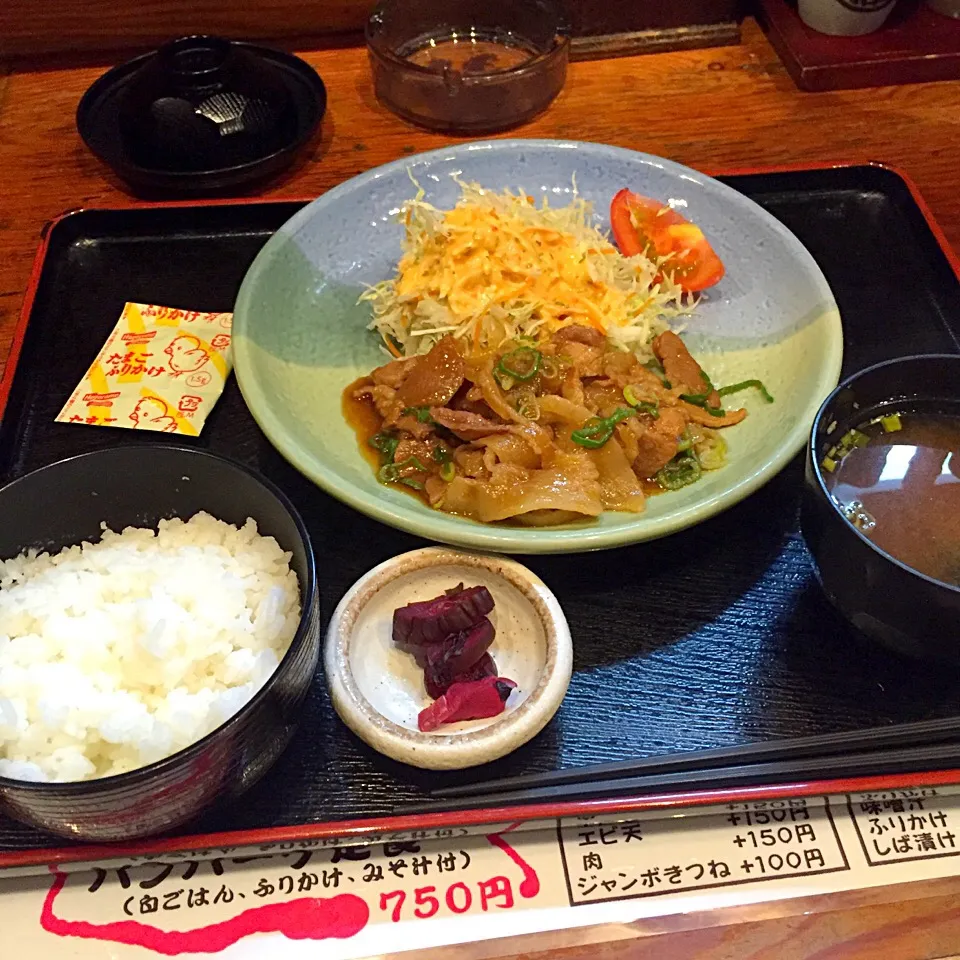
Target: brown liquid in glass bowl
[(469, 56)]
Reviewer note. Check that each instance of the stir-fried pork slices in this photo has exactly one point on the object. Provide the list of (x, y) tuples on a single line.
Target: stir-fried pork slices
[(540, 434)]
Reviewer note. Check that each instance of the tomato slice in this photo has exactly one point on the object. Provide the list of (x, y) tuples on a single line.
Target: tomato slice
[(642, 225)]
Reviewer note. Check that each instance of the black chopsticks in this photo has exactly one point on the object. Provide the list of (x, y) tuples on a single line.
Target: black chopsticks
[(920, 733), (875, 751), (906, 759)]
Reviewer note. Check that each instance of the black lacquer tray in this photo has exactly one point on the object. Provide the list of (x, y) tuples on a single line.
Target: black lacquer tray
[(717, 636)]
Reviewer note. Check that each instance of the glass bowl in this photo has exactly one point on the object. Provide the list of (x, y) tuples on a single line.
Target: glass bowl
[(467, 66)]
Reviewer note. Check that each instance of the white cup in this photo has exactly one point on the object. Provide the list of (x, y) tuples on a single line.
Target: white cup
[(950, 8), (845, 18)]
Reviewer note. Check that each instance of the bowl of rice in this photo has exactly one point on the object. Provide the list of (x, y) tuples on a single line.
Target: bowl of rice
[(159, 631)]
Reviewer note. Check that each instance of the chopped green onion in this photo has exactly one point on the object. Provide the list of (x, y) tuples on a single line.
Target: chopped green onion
[(700, 399), (643, 406), (681, 471), (550, 368), (743, 385), (849, 442), (891, 423), (442, 454), (421, 413), (521, 364), (410, 482), (598, 430), (686, 441), (386, 442), (448, 471), (393, 472)]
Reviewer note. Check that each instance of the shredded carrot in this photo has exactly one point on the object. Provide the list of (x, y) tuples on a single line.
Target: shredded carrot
[(492, 267)]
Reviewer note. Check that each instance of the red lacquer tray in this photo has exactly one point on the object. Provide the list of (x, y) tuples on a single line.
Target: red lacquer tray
[(807, 674)]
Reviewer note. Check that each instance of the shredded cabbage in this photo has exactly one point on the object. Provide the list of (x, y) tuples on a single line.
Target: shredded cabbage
[(498, 267)]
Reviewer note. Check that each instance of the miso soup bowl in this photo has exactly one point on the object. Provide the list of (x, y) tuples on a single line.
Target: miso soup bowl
[(138, 485), (881, 597)]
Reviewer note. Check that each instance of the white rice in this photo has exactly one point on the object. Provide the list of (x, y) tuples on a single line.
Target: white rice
[(119, 653)]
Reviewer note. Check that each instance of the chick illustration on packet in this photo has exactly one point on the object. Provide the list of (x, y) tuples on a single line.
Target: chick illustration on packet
[(160, 369)]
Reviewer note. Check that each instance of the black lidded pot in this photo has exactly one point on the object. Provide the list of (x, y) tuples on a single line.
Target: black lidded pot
[(879, 596), (202, 103)]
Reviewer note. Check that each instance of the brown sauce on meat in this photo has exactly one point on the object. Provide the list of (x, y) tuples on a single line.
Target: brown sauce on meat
[(363, 417)]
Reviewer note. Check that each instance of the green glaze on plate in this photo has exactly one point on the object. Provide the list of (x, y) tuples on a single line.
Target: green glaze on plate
[(300, 336)]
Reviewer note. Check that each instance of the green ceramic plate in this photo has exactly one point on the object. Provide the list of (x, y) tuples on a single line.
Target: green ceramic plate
[(300, 336)]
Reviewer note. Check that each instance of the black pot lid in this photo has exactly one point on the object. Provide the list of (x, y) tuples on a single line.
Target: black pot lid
[(202, 115)]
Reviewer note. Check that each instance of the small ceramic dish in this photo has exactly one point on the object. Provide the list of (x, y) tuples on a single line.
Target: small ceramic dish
[(378, 689)]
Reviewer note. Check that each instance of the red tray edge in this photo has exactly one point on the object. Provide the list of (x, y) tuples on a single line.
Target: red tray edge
[(347, 829), (50, 856)]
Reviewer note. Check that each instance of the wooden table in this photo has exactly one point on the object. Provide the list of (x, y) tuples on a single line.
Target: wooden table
[(714, 109)]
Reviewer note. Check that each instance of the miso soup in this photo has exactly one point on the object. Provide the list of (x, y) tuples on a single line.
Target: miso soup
[(897, 479)]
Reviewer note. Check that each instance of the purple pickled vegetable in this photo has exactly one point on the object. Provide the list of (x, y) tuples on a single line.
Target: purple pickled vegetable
[(437, 684), (467, 701), (458, 653), (430, 621)]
